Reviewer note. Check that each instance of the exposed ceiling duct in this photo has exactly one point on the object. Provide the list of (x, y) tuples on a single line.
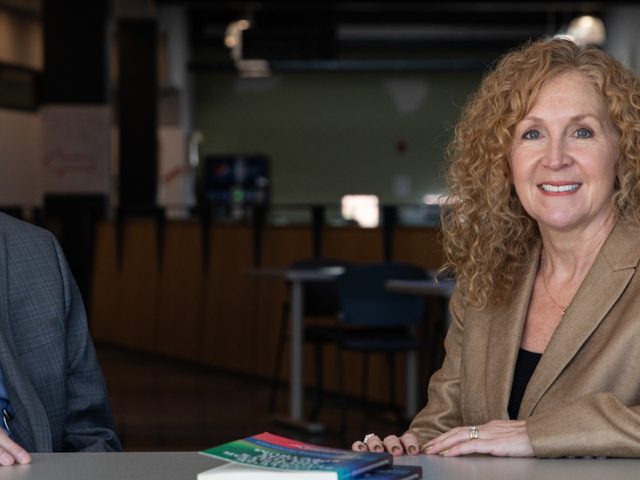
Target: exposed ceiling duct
[(374, 34)]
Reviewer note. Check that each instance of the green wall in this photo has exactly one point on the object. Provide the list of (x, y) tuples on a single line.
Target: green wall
[(332, 133)]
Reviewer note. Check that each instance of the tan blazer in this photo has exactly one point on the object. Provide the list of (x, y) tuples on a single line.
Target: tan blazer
[(584, 396)]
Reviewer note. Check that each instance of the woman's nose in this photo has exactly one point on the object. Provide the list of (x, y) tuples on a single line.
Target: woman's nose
[(556, 155)]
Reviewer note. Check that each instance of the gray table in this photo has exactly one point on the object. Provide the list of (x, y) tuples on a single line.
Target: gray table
[(111, 466), (490, 468), (428, 287), (186, 465)]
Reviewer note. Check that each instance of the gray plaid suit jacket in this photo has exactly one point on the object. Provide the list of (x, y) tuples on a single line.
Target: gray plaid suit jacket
[(51, 372)]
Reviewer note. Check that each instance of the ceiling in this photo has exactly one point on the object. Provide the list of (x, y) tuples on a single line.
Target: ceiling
[(373, 34)]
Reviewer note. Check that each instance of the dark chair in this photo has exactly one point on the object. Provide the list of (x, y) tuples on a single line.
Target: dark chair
[(320, 300), (375, 320)]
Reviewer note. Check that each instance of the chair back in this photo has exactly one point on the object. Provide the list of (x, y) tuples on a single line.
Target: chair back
[(320, 297), (365, 301)]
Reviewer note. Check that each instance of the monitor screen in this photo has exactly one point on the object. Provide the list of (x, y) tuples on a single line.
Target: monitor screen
[(237, 179)]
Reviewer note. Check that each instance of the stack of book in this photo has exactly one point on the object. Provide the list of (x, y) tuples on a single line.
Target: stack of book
[(267, 456)]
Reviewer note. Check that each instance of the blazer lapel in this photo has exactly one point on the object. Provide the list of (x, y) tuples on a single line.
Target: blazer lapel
[(505, 336), (30, 427), (615, 264)]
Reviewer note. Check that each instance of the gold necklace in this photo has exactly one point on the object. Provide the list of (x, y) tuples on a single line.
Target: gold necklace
[(546, 289)]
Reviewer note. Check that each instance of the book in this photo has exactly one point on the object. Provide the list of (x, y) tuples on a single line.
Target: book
[(233, 471), (268, 456), (397, 472)]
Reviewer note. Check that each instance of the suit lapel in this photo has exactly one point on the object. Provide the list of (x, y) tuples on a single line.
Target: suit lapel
[(505, 335), (30, 427), (602, 287)]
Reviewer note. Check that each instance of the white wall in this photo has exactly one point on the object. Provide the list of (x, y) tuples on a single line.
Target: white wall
[(175, 182)]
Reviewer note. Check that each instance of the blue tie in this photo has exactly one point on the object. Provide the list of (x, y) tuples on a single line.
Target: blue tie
[(5, 406), (7, 414)]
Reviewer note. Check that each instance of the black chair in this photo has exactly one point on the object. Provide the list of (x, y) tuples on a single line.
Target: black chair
[(375, 320), (320, 300)]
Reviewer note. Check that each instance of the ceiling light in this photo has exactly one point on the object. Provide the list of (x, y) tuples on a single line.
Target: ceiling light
[(587, 30), (233, 40)]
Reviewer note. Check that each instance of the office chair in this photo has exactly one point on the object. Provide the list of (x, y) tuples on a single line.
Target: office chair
[(320, 300), (375, 320)]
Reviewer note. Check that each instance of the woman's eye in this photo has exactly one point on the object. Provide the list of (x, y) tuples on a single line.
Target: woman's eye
[(531, 135), (584, 133)]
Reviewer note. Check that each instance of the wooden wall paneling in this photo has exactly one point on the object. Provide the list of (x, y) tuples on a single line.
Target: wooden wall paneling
[(226, 317), (378, 375), (379, 378), (139, 283), (282, 245), (105, 317), (181, 293), (269, 295), (418, 245), (228, 299), (357, 245), (352, 363)]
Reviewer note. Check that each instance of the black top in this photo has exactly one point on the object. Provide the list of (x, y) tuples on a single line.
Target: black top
[(525, 365)]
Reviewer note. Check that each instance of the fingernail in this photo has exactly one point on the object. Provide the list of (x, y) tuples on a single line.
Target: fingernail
[(395, 449), (412, 450), (444, 453), (23, 457), (377, 448), (362, 447)]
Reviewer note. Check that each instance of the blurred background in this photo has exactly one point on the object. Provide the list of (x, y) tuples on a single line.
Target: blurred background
[(186, 153)]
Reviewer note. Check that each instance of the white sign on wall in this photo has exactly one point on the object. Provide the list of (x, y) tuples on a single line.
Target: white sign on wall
[(77, 149)]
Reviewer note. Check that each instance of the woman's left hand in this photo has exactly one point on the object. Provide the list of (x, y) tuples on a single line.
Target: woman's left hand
[(501, 438)]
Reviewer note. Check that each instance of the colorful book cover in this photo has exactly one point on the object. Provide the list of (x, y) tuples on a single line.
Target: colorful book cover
[(274, 455)]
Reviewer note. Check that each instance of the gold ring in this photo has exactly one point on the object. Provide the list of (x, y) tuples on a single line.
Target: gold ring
[(473, 433), (367, 437)]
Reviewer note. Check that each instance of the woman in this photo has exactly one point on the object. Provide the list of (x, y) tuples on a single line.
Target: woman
[(544, 238)]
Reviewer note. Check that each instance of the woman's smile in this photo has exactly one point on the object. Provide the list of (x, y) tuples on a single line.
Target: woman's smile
[(559, 188)]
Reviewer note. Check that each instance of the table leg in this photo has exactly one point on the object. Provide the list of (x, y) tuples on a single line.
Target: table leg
[(296, 382), (296, 393)]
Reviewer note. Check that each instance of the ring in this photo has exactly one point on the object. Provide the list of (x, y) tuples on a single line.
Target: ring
[(367, 437), (473, 433)]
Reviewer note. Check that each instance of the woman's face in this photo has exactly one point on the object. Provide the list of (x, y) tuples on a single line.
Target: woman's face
[(564, 156)]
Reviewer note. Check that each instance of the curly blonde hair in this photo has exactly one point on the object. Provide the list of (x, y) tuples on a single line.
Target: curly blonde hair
[(487, 235)]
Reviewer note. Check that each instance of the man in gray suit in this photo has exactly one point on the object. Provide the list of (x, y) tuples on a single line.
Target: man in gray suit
[(52, 392)]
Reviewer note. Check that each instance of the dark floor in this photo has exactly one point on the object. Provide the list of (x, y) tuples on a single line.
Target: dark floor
[(165, 405)]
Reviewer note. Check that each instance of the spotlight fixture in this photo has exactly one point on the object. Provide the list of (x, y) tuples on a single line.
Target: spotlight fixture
[(587, 30), (233, 41)]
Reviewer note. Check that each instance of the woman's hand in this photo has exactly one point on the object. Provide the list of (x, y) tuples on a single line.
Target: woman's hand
[(407, 443), (501, 438), (11, 452)]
